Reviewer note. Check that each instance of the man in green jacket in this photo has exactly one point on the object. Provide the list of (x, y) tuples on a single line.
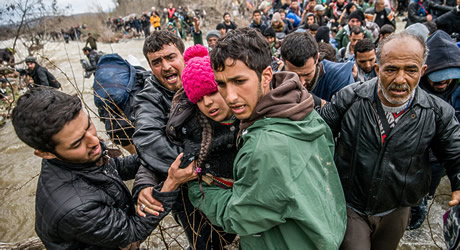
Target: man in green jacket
[(356, 18), (286, 192)]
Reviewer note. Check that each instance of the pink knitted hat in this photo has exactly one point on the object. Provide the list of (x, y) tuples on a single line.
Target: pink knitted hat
[(197, 76)]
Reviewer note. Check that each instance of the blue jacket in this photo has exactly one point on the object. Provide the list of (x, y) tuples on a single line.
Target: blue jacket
[(335, 77)]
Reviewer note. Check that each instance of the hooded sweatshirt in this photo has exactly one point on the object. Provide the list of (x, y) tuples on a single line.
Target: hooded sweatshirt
[(287, 99), (443, 54), (287, 193)]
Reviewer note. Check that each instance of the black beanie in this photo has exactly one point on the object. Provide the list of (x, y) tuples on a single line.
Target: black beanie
[(322, 34), (357, 14), (269, 32)]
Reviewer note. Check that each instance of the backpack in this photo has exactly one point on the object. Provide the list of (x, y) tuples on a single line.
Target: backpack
[(52, 80), (113, 81)]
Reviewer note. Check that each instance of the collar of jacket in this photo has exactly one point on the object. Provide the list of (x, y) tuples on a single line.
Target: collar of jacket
[(35, 69), (366, 90), (80, 166), (154, 81)]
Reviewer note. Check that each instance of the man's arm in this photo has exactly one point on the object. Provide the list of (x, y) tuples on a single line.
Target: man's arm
[(176, 177), (257, 200), (100, 224), (154, 149), (333, 111), (127, 166), (197, 34), (339, 37)]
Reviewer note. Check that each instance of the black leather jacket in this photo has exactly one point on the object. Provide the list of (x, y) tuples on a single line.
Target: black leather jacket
[(151, 107), (93, 58), (429, 5), (86, 206), (378, 177), (43, 77)]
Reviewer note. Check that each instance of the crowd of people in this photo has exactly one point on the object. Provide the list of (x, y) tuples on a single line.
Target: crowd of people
[(316, 127)]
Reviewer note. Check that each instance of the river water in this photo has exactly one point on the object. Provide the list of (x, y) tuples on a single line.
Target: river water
[(19, 168)]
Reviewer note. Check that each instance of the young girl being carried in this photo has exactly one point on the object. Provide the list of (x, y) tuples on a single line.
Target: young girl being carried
[(202, 123)]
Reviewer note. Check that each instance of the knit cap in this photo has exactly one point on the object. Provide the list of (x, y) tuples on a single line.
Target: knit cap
[(213, 33), (322, 34), (276, 17), (197, 77), (358, 15)]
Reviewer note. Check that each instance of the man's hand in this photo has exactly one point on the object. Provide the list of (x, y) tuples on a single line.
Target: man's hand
[(429, 17), (355, 71), (146, 203), (196, 24), (178, 176), (455, 198)]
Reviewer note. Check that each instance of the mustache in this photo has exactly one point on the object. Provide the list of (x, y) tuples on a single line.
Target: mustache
[(394, 86)]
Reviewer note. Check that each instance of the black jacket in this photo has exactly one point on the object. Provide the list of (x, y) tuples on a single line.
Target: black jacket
[(375, 177), (43, 77), (151, 108), (450, 21), (86, 206), (414, 17), (93, 58), (381, 18), (187, 133)]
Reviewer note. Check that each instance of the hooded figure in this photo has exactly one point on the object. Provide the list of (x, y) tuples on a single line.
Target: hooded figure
[(443, 64), (440, 79)]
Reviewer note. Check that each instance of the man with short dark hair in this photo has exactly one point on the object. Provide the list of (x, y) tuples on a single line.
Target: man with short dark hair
[(286, 193), (384, 32), (300, 54), (228, 23), (221, 28), (365, 59), (40, 75), (380, 14), (93, 58), (347, 53), (81, 200), (257, 21), (384, 128), (91, 41)]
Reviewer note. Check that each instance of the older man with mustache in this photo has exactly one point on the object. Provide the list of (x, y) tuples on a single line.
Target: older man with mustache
[(384, 128)]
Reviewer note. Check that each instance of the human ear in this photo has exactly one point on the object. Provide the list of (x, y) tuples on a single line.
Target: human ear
[(44, 155), (267, 76)]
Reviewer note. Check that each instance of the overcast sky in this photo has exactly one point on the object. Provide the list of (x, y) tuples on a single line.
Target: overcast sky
[(82, 6), (77, 6)]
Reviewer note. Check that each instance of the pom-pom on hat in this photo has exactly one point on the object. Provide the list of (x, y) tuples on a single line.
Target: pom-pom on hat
[(195, 51), (197, 77)]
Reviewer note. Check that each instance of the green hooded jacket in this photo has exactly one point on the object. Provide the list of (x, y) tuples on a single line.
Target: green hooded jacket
[(287, 193)]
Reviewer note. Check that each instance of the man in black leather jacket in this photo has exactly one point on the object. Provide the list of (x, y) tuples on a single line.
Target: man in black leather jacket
[(81, 200), (40, 75), (385, 127), (164, 52), (93, 58)]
